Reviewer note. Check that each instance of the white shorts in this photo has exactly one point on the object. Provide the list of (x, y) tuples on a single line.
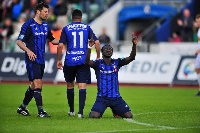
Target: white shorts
[(197, 63)]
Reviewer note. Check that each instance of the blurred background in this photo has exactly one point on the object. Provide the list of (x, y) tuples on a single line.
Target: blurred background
[(166, 29)]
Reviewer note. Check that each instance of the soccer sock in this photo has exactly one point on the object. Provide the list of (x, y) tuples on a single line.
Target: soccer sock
[(27, 98), (38, 99), (82, 98), (70, 98), (198, 79)]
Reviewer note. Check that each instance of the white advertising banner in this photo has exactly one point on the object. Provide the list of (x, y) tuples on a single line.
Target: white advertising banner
[(147, 68), (187, 48), (187, 70)]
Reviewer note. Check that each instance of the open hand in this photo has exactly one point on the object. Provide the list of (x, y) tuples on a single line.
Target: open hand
[(31, 55)]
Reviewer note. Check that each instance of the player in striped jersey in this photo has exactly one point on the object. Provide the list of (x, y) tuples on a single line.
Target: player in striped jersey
[(32, 38), (106, 71), (197, 53), (76, 36)]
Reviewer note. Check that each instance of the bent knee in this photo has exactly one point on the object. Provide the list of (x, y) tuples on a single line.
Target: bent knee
[(94, 115), (128, 115)]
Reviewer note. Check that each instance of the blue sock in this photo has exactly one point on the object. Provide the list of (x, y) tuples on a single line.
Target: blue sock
[(70, 98), (27, 98), (38, 99), (82, 98)]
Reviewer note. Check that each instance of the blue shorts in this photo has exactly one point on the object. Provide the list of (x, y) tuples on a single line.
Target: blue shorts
[(118, 105), (35, 71), (80, 72)]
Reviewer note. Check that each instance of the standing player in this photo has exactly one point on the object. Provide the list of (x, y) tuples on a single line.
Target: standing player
[(106, 71), (32, 39), (197, 53), (75, 36)]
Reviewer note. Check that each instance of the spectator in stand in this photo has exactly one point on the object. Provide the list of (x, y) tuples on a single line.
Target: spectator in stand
[(56, 33), (5, 32), (186, 23), (175, 37), (101, 6), (60, 10), (17, 28), (85, 6), (51, 18), (104, 39)]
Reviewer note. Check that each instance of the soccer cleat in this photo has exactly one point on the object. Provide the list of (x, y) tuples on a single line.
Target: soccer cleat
[(71, 114), (23, 111), (198, 94), (43, 114), (80, 116)]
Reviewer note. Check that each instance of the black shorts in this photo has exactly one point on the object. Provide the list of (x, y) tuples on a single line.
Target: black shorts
[(118, 105), (35, 71), (80, 72)]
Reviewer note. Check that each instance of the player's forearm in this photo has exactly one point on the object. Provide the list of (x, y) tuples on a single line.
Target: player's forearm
[(59, 51), (132, 55), (22, 46), (87, 57), (98, 47)]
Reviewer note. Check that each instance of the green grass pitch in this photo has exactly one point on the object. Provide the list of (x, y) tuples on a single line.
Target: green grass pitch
[(155, 110)]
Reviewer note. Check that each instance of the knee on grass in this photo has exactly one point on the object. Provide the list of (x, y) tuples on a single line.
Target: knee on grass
[(94, 114)]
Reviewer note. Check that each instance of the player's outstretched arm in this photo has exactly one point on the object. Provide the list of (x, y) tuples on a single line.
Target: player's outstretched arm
[(59, 52), (98, 48), (133, 51)]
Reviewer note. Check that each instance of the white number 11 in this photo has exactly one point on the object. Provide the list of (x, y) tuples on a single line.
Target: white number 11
[(81, 38)]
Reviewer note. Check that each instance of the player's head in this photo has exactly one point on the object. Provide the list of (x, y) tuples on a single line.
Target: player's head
[(41, 10), (107, 51), (77, 15), (198, 19)]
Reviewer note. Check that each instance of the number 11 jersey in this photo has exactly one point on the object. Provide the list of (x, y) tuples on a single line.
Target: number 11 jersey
[(75, 36)]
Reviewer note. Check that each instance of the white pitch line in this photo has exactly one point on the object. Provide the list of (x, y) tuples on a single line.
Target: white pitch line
[(132, 130), (147, 124), (164, 112), (159, 128)]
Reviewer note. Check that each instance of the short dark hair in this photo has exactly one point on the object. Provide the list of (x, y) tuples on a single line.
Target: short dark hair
[(107, 45), (76, 14), (197, 16), (40, 6)]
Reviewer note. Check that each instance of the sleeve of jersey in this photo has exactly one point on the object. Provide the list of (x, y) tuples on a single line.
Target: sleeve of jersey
[(63, 37), (50, 36), (91, 33), (121, 62), (95, 64), (24, 33)]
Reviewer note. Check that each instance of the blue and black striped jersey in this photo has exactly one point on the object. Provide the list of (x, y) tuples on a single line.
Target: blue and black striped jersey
[(75, 36), (34, 36), (107, 77)]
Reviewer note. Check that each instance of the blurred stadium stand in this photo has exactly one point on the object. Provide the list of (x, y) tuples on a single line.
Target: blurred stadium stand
[(152, 20)]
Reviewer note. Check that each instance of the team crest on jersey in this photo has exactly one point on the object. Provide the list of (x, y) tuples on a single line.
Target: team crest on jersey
[(21, 37)]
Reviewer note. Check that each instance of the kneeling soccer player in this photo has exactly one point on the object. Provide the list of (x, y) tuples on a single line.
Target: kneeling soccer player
[(106, 71)]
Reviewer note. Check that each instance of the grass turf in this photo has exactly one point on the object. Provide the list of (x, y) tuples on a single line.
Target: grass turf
[(156, 110)]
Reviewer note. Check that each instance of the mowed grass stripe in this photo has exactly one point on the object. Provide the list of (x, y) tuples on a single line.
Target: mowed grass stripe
[(140, 99)]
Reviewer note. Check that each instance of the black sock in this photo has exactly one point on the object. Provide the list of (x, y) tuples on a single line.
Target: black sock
[(38, 99), (27, 98), (70, 98), (82, 98)]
